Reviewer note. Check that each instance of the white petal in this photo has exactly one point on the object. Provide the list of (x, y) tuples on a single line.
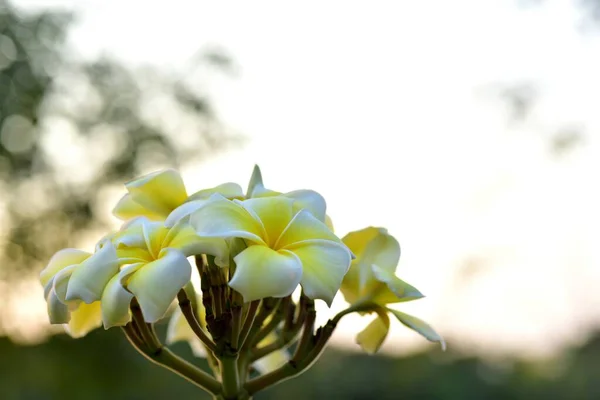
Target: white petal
[(255, 180), (305, 226), (309, 200), (262, 272), (58, 312), (183, 211), (324, 265), (60, 283), (62, 259), (224, 218), (156, 284), (116, 299), (91, 276)]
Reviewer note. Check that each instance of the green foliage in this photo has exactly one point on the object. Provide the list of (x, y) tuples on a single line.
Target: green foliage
[(104, 366), (54, 108)]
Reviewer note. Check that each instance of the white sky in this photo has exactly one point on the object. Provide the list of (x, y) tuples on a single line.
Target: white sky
[(387, 109)]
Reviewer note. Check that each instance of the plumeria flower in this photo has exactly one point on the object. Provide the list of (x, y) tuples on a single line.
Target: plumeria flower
[(302, 199), (285, 247), (158, 194), (372, 280), (63, 270), (180, 331), (156, 268)]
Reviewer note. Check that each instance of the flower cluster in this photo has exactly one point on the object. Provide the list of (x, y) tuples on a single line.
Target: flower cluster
[(252, 250)]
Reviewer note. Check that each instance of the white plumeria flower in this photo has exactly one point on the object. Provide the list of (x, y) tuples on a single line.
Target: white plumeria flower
[(285, 247)]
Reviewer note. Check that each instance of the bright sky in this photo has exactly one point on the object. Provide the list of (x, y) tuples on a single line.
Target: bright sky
[(388, 110)]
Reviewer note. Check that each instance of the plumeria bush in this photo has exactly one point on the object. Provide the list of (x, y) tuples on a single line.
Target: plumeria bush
[(251, 251)]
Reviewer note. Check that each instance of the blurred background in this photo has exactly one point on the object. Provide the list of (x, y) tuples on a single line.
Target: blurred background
[(469, 129)]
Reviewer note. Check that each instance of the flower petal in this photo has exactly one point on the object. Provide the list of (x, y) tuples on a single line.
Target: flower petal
[(371, 338), (262, 272), (224, 218), (324, 264), (86, 318), (127, 208), (228, 190), (154, 236), (183, 211), (60, 283), (419, 326), (309, 200), (383, 250), (62, 259), (275, 213), (91, 276), (116, 299), (397, 289), (58, 312), (159, 192), (156, 284), (183, 238), (357, 241), (305, 226), (255, 180)]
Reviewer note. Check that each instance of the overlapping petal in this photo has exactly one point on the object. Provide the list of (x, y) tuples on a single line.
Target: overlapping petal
[(116, 299), (224, 218), (158, 192), (88, 280), (275, 213), (156, 284), (263, 272), (60, 260), (302, 227), (395, 289), (324, 264)]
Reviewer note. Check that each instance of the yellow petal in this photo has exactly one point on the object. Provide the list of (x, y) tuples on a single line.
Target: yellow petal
[(395, 289), (305, 226), (357, 241), (86, 318), (262, 272), (154, 236), (228, 190), (324, 264), (127, 208), (91, 276), (383, 250), (275, 213), (159, 192), (371, 338), (156, 284), (224, 218), (419, 326), (62, 259)]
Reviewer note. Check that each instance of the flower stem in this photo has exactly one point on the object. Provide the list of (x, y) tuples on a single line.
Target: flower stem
[(166, 359), (188, 313)]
